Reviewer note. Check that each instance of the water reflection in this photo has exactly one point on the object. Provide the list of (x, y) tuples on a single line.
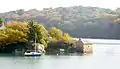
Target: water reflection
[(105, 56), (100, 49)]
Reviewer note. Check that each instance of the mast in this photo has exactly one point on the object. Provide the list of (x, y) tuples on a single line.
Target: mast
[(35, 42)]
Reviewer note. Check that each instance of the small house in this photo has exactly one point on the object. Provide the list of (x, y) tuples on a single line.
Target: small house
[(87, 46), (84, 46)]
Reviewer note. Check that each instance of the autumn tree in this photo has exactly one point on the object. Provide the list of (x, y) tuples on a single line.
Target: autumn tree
[(55, 33), (15, 36), (20, 26), (67, 38), (15, 33)]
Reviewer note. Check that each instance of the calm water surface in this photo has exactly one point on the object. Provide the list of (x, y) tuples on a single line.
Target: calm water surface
[(105, 56)]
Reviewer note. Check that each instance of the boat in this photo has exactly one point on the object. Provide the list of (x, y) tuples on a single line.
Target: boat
[(33, 52)]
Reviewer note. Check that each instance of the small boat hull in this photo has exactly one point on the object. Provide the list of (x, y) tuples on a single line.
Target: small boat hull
[(32, 54)]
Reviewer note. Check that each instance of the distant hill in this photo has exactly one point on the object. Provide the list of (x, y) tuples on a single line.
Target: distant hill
[(79, 21)]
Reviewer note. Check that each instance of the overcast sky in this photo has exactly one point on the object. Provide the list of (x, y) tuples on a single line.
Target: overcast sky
[(8, 5)]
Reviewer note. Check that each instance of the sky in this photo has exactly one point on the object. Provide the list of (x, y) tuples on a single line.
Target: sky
[(10, 5)]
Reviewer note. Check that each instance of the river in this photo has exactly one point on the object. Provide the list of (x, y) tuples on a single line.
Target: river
[(106, 55)]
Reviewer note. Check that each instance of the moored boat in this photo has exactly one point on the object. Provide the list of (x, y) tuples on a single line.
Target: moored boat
[(32, 53)]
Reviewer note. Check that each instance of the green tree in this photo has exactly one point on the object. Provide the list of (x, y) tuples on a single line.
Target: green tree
[(31, 32), (39, 31), (55, 33), (1, 20), (42, 34)]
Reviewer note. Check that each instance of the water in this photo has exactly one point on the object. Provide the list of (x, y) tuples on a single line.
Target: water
[(105, 56)]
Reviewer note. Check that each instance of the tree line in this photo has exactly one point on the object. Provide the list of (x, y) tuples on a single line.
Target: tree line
[(17, 32)]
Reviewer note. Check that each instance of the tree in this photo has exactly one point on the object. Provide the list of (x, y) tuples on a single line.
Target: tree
[(42, 34), (39, 31), (55, 33), (67, 37), (15, 33), (20, 26), (12, 36), (31, 32), (1, 20)]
